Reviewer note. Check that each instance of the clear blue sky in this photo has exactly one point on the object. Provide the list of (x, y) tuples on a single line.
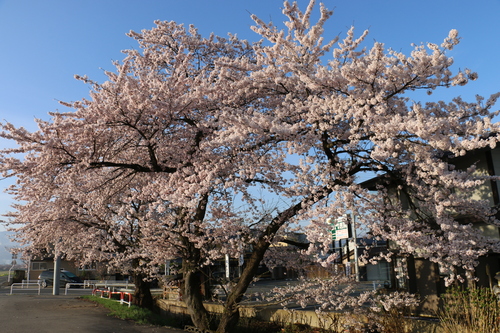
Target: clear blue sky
[(44, 43)]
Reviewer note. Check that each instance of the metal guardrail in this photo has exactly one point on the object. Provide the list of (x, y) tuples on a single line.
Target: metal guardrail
[(108, 284), (28, 282), (69, 285), (25, 286)]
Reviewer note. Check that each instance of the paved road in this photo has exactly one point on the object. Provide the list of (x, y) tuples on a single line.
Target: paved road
[(62, 314)]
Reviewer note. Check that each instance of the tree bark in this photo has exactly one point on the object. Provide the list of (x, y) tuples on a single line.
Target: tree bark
[(142, 293), (193, 296), (194, 299)]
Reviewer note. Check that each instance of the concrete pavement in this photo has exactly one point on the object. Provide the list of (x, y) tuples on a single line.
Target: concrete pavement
[(62, 314)]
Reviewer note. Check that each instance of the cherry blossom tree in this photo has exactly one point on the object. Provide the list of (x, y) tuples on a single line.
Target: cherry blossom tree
[(151, 147), (188, 125), (353, 114), (143, 170)]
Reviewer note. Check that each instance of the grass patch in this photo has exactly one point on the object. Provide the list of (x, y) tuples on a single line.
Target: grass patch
[(137, 314)]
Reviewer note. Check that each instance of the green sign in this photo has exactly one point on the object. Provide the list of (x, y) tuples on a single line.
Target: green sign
[(340, 228)]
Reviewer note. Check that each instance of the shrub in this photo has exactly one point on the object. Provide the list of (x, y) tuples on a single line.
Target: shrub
[(469, 310)]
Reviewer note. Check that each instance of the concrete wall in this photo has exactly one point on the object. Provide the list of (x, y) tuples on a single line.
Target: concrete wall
[(427, 285), (328, 320), (264, 313)]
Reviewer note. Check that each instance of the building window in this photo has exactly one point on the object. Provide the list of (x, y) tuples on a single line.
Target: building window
[(38, 266)]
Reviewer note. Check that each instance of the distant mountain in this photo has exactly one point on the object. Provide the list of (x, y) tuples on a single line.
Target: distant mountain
[(5, 245)]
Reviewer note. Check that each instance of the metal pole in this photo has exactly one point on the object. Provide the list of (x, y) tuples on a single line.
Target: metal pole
[(241, 261), (227, 266), (348, 256), (356, 264), (10, 269), (57, 275), (167, 267), (29, 268), (14, 262)]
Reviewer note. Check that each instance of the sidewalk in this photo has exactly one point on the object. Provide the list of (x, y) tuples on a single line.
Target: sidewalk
[(63, 314)]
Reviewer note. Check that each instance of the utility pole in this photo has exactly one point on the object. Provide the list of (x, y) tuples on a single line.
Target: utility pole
[(29, 267), (57, 274)]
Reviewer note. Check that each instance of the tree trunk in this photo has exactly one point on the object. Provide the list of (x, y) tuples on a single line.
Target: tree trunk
[(194, 299), (142, 294), (231, 313)]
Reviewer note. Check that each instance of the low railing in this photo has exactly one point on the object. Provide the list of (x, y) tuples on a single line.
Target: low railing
[(125, 297), (108, 284), (28, 282), (129, 297), (70, 285), (25, 286)]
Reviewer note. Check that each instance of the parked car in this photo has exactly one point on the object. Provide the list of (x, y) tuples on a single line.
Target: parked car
[(47, 278)]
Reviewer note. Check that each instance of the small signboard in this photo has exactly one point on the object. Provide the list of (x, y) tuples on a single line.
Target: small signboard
[(340, 228)]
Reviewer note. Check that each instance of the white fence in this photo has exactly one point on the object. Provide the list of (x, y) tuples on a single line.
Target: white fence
[(28, 282), (25, 286), (76, 286), (111, 284)]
